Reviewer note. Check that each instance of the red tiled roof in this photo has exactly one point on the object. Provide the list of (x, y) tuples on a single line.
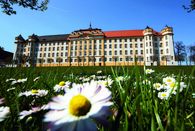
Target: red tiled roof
[(127, 33), (123, 33)]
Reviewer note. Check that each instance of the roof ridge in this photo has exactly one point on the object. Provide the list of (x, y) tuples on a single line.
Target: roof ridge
[(124, 30)]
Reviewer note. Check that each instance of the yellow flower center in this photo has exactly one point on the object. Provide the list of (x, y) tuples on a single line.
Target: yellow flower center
[(169, 80), (34, 91), (172, 85), (62, 83), (164, 95), (79, 105)]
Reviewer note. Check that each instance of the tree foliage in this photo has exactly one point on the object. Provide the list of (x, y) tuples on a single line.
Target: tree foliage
[(180, 51), (7, 5), (191, 6), (192, 53)]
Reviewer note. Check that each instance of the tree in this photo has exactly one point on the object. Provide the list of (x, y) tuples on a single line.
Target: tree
[(180, 51), (7, 5), (192, 54), (190, 7), (1, 48)]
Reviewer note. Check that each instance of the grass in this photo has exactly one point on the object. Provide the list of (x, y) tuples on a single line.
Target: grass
[(136, 104)]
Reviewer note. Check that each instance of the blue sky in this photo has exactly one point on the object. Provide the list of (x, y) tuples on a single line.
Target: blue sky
[(65, 16)]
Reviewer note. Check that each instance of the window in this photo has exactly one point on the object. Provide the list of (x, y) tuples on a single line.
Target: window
[(40, 49), (120, 45), (115, 40), (115, 46), (110, 52), (135, 39), (57, 54), (40, 55), (166, 43), (150, 51), (125, 40), (146, 44), (156, 51), (167, 51), (62, 48), (125, 45), (120, 52), (44, 54), (100, 53), (48, 54), (150, 43), (156, 45), (110, 40), (62, 54), (136, 52), (52, 54), (45, 49), (57, 48), (100, 46), (53, 48), (110, 46), (166, 37), (105, 53), (121, 59), (141, 51), (161, 44), (161, 51), (115, 52), (130, 45), (105, 46), (135, 45), (131, 52), (110, 59), (125, 52), (146, 51)]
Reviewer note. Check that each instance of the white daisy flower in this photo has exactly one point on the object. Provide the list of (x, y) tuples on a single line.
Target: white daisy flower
[(173, 87), (99, 72), (11, 89), (108, 82), (120, 78), (158, 86), (19, 81), (4, 111), (11, 79), (62, 86), (36, 79), (39, 93), (149, 71), (163, 95), (25, 113), (168, 80), (77, 109)]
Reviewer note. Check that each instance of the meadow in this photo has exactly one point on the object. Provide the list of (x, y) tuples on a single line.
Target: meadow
[(155, 98)]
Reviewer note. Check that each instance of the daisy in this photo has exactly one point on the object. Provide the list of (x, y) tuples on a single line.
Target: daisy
[(163, 95), (39, 93), (77, 109), (168, 80), (108, 82), (19, 81), (158, 86), (25, 113), (4, 111), (62, 86), (11, 79), (36, 79), (99, 72), (149, 71)]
